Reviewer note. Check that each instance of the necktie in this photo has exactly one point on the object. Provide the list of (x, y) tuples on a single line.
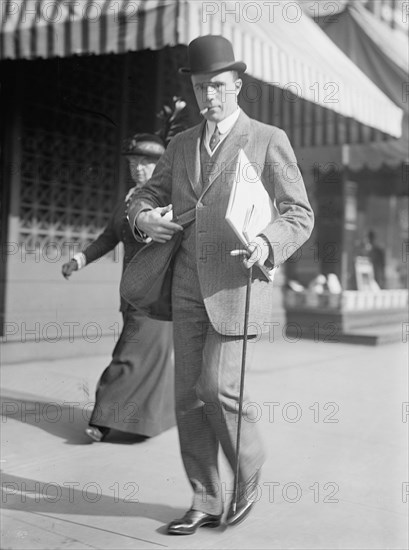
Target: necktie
[(215, 139)]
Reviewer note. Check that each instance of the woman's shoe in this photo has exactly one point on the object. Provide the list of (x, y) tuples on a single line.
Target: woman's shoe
[(97, 434)]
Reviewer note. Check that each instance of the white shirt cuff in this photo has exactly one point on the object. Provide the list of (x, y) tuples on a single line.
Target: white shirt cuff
[(80, 259), (139, 235)]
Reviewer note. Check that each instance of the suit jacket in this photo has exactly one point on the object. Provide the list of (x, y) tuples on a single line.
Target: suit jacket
[(177, 179)]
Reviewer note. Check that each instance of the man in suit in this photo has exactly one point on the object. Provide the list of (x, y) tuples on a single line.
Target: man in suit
[(209, 284)]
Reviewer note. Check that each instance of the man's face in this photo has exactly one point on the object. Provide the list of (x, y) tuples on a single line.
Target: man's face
[(218, 92), (141, 168)]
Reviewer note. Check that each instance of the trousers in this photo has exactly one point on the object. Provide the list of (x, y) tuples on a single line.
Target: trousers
[(207, 389)]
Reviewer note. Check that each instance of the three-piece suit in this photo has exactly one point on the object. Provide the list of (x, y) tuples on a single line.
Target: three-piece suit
[(209, 287)]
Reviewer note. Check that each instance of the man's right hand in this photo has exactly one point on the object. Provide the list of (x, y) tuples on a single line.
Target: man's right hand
[(155, 225)]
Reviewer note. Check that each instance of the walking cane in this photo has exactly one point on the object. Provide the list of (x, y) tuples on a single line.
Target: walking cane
[(243, 370)]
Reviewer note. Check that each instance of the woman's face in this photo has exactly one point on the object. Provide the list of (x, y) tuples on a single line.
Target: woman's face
[(141, 168)]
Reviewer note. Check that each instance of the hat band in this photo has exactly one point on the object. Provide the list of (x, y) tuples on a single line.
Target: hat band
[(146, 148), (221, 66)]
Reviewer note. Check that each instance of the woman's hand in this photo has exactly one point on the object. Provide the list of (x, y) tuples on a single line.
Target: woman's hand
[(69, 267)]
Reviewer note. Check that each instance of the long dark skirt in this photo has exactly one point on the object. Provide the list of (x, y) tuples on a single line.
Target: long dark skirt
[(135, 393)]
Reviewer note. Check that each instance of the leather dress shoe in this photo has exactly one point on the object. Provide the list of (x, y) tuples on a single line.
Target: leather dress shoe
[(245, 502), (97, 433), (191, 521)]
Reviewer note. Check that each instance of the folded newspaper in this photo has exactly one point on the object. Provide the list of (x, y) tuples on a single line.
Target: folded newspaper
[(250, 207)]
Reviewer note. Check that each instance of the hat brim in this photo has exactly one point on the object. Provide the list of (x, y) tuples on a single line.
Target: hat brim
[(239, 66)]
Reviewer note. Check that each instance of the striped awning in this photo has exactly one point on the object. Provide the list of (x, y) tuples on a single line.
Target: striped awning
[(382, 53), (59, 28), (279, 42)]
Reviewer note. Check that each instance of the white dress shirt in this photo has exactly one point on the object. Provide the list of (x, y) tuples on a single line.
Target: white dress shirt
[(224, 126)]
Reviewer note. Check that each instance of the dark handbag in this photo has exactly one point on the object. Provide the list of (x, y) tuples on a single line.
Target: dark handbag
[(146, 283)]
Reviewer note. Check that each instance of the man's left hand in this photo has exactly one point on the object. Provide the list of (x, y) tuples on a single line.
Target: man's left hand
[(258, 250)]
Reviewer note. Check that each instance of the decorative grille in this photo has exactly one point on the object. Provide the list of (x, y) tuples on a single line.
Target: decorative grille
[(70, 122)]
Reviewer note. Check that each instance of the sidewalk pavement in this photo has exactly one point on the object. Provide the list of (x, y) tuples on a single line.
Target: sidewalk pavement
[(333, 418)]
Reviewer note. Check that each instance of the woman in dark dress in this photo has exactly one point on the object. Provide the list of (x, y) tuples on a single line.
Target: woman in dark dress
[(135, 392)]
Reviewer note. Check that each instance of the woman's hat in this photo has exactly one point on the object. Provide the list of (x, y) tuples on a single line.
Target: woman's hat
[(211, 54), (147, 145)]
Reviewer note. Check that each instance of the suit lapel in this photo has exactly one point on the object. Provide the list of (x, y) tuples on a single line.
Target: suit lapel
[(230, 148), (192, 159)]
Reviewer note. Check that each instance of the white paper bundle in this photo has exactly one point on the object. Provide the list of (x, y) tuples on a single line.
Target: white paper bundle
[(250, 207)]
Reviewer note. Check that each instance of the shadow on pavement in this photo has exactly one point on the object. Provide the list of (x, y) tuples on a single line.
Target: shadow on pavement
[(66, 420), (28, 495)]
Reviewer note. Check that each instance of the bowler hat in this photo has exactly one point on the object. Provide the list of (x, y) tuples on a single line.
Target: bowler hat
[(147, 145), (211, 54)]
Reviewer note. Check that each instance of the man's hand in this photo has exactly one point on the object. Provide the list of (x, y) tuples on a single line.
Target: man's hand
[(258, 252), (69, 267), (155, 225)]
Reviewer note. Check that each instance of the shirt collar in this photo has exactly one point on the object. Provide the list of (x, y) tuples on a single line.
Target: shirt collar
[(224, 125)]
